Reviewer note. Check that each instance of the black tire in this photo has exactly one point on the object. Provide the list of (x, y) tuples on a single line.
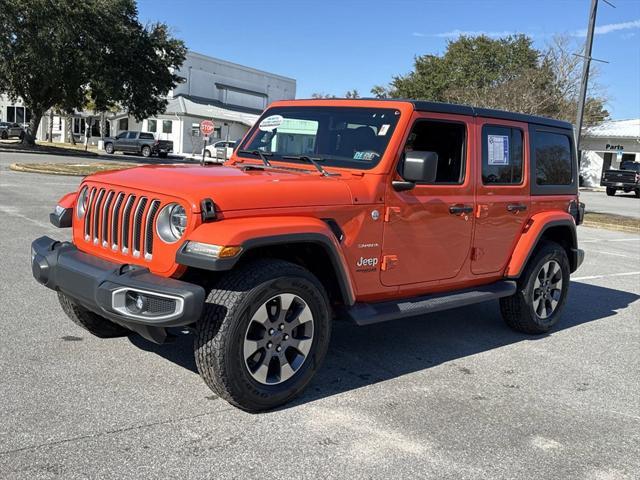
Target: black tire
[(146, 151), (518, 310), (637, 192), (611, 191), (4, 135), (225, 321), (92, 322), (207, 153), (108, 147), (162, 155)]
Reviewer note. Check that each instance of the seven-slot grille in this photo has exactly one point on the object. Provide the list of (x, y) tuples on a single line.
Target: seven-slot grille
[(120, 220)]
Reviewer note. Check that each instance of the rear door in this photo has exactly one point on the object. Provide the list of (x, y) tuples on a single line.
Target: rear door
[(502, 198), (428, 230)]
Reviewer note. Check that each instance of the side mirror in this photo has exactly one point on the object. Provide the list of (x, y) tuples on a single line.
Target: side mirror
[(417, 167)]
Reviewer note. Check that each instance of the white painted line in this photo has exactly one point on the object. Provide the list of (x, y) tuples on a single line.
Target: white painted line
[(636, 257), (592, 277), (605, 240)]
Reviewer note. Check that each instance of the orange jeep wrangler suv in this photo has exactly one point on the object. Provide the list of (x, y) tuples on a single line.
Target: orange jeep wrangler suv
[(369, 210)]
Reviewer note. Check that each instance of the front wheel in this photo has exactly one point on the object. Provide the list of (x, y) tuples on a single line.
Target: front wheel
[(207, 153), (92, 322), (263, 334), (611, 191), (542, 292)]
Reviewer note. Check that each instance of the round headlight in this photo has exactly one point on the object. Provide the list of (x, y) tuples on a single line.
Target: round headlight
[(81, 202), (172, 222)]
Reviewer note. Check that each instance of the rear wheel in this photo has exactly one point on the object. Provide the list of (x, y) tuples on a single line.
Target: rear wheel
[(146, 151), (4, 135), (611, 191), (263, 334), (92, 322), (108, 147), (542, 291)]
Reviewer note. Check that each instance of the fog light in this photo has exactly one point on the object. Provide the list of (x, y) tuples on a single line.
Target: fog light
[(136, 302)]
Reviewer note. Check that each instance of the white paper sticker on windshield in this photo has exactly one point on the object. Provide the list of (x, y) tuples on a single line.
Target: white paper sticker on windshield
[(383, 130), (271, 122), (498, 149)]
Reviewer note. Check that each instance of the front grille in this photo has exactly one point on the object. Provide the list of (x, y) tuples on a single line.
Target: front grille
[(121, 221)]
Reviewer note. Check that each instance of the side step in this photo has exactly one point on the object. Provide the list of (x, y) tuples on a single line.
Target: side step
[(368, 313)]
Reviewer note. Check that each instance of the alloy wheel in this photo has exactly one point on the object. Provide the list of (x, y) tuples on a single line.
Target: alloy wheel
[(547, 289), (278, 339)]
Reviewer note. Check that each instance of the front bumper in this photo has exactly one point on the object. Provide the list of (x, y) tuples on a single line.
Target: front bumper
[(101, 286)]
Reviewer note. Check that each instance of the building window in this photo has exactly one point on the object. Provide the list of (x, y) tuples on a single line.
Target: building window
[(78, 126), (123, 124), (217, 132), (18, 114), (501, 155), (167, 126), (152, 126), (195, 129)]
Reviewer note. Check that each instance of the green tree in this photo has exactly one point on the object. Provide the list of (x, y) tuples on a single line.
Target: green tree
[(62, 54), (505, 73)]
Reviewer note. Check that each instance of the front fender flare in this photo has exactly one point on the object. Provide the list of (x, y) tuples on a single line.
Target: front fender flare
[(535, 228), (250, 233)]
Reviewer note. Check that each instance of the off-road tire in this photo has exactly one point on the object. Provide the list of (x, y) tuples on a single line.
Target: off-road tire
[(92, 322), (611, 191), (108, 147), (227, 313), (146, 151), (518, 310)]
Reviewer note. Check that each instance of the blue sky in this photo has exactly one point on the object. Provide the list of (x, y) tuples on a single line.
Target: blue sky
[(332, 46)]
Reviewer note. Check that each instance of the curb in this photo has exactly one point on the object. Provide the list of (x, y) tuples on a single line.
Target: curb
[(80, 153)]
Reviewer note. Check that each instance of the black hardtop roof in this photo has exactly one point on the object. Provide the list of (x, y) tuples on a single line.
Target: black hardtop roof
[(440, 107)]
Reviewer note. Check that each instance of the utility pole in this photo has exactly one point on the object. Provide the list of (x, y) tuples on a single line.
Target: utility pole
[(585, 70)]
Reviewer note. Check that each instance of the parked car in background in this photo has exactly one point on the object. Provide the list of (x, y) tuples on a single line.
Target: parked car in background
[(11, 130), (144, 143), (221, 150), (627, 178)]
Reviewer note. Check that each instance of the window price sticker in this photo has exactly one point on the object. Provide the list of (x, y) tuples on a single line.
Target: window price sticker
[(498, 149)]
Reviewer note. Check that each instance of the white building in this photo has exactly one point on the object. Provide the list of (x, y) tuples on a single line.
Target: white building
[(231, 95), (607, 145)]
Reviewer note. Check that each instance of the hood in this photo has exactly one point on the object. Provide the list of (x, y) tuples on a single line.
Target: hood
[(232, 188)]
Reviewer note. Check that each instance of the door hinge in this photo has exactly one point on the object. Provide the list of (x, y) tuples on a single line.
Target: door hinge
[(389, 211), (389, 262)]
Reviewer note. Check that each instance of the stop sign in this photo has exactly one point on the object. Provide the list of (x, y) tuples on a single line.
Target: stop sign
[(206, 127)]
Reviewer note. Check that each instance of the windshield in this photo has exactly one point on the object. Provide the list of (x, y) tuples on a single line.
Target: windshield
[(337, 136)]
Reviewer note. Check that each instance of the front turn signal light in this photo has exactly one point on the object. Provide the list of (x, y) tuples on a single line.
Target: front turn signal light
[(213, 251)]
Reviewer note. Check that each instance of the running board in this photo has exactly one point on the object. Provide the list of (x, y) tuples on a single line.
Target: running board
[(368, 313)]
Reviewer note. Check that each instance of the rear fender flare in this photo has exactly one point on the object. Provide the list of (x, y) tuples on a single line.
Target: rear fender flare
[(533, 233), (251, 233)]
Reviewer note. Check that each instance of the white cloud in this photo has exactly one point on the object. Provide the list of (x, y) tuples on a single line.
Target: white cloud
[(468, 33), (608, 28)]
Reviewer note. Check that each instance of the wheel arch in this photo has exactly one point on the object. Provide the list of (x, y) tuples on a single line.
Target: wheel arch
[(560, 229), (306, 241)]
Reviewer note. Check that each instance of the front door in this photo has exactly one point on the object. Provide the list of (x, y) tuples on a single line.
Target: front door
[(502, 193), (428, 230)]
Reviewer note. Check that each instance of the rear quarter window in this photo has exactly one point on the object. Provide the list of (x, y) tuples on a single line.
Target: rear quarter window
[(554, 163), (147, 136)]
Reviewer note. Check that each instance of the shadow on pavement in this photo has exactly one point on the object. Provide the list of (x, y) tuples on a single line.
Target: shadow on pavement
[(361, 356)]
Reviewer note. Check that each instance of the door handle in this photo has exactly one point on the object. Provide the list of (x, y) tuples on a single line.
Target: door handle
[(516, 207), (459, 209)]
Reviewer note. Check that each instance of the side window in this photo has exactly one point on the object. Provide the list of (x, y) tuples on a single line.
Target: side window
[(146, 136), (553, 158), (132, 135), (121, 135), (448, 141), (501, 155)]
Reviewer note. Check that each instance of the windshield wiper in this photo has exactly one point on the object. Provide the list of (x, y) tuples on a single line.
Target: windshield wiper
[(258, 153), (312, 161)]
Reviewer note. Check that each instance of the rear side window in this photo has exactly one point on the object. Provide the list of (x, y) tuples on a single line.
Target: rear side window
[(501, 155), (553, 159), (146, 136)]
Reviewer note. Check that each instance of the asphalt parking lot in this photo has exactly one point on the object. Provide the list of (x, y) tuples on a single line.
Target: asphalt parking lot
[(454, 395)]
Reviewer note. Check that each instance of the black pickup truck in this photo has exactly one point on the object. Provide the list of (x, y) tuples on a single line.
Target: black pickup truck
[(626, 179), (143, 143)]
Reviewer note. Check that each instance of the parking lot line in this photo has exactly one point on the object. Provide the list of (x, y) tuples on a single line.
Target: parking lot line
[(592, 277), (599, 240)]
